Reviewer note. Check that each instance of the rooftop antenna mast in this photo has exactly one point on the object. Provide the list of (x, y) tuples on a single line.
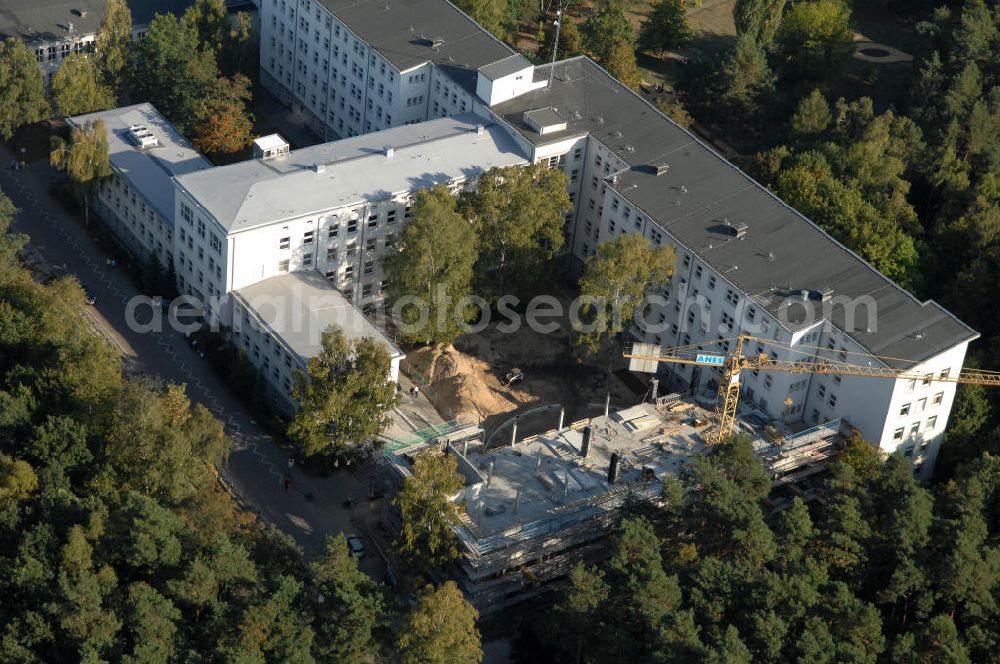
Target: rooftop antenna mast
[(555, 44)]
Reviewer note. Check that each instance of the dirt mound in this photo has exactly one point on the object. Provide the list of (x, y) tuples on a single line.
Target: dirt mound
[(466, 379), (466, 385)]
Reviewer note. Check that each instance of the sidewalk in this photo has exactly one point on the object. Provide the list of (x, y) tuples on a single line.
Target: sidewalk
[(412, 413)]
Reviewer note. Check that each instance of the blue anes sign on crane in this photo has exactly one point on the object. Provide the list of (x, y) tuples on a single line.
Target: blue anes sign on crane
[(716, 360)]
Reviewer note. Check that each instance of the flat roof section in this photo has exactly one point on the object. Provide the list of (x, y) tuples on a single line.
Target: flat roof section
[(699, 197), (351, 171), (270, 142), (151, 169), (411, 32), (299, 306), (509, 65)]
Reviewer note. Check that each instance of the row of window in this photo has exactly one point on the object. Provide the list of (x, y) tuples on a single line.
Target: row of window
[(62, 51), (930, 425)]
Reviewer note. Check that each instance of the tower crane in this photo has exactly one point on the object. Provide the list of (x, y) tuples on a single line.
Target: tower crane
[(645, 357)]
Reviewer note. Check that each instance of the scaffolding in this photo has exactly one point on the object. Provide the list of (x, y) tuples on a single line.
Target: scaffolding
[(531, 510)]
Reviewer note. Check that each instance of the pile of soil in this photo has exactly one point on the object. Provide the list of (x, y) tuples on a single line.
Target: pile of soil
[(468, 377), (466, 384)]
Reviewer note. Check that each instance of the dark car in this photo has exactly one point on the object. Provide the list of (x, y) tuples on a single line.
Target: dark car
[(356, 546), (88, 296)]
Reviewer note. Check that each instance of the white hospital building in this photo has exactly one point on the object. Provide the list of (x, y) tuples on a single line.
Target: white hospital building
[(422, 96)]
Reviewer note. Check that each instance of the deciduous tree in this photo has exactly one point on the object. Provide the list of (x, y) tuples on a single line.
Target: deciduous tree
[(22, 88), (114, 45), (441, 629), (570, 39), (76, 87), (519, 215), (344, 396), (432, 266), (490, 14), (617, 279), (222, 124), (426, 539), (173, 70), (84, 158), (816, 37)]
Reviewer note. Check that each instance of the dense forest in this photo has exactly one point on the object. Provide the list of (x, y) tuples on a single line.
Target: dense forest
[(882, 569)]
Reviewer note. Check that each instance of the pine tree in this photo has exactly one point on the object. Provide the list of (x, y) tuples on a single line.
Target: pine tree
[(665, 27), (812, 116), (744, 78), (758, 19)]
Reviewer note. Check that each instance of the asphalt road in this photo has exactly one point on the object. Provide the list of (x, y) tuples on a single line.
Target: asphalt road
[(257, 466)]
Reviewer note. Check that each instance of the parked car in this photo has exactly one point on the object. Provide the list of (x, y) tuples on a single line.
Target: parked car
[(356, 546)]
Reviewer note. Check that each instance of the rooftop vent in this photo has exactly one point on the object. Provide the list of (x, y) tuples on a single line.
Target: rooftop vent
[(437, 42), (69, 26), (388, 150), (80, 12), (740, 230), (825, 294), (661, 168), (269, 147), (480, 129), (142, 137), (318, 167)]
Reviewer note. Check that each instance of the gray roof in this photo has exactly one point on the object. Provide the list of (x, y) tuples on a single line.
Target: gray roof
[(300, 306), (144, 10), (403, 31), (48, 20), (150, 170), (509, 65), (354, 170), (782, 253)]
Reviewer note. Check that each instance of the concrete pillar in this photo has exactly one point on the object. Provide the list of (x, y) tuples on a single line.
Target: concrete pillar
[(465, 448), (517, 500), (607, 404), (562, 415), (489, 475), (566, 486), (538, 459), (513, 433)]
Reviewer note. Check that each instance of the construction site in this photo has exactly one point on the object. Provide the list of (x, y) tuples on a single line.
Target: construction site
[(532, 507), (490, 376)]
